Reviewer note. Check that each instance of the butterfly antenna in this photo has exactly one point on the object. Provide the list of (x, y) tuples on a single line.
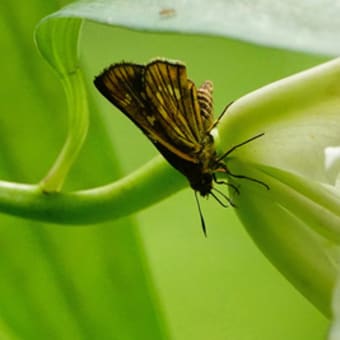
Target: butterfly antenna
[(250, 179), (242, 176), (221, 115), (201, 215), (239, 145)]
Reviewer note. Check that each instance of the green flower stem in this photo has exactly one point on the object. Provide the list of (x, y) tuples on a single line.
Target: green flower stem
[(150, 184), (77, 130), (57, 40)]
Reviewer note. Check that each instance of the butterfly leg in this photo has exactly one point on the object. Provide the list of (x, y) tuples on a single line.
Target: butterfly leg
[(223, 204), (221, 181)]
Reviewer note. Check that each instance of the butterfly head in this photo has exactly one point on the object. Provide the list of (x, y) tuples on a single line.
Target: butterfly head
[(203, 184)]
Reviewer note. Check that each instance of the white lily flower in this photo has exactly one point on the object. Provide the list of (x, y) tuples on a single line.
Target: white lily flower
[(297, 222)]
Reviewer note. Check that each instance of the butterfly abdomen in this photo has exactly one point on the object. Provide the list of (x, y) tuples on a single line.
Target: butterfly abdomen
[(204, 96)]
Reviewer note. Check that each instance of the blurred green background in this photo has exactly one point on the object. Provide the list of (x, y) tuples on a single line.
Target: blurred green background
[(148, 276)]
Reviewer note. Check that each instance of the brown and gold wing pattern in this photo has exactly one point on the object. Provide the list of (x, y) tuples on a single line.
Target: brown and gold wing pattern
[(160, 100)]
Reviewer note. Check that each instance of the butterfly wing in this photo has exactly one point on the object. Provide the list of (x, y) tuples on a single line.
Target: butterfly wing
[(175, 97), (124, 86), (185, 114)]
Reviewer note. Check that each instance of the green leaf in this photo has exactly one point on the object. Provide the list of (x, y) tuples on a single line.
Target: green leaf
[(58, 42), (78, 283), (304, 25)]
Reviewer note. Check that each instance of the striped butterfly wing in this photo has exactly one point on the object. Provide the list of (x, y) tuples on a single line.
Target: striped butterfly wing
[(161, 101), (123, 85), (174, 97)]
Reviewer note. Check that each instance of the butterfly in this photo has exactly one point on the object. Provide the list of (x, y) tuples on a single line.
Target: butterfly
[(176, 116)]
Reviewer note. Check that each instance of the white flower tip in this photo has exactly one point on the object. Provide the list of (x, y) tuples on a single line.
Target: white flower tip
[(332, 162)]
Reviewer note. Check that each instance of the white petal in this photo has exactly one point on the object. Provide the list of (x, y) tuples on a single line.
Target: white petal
[(332, 164), (300, 117)]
